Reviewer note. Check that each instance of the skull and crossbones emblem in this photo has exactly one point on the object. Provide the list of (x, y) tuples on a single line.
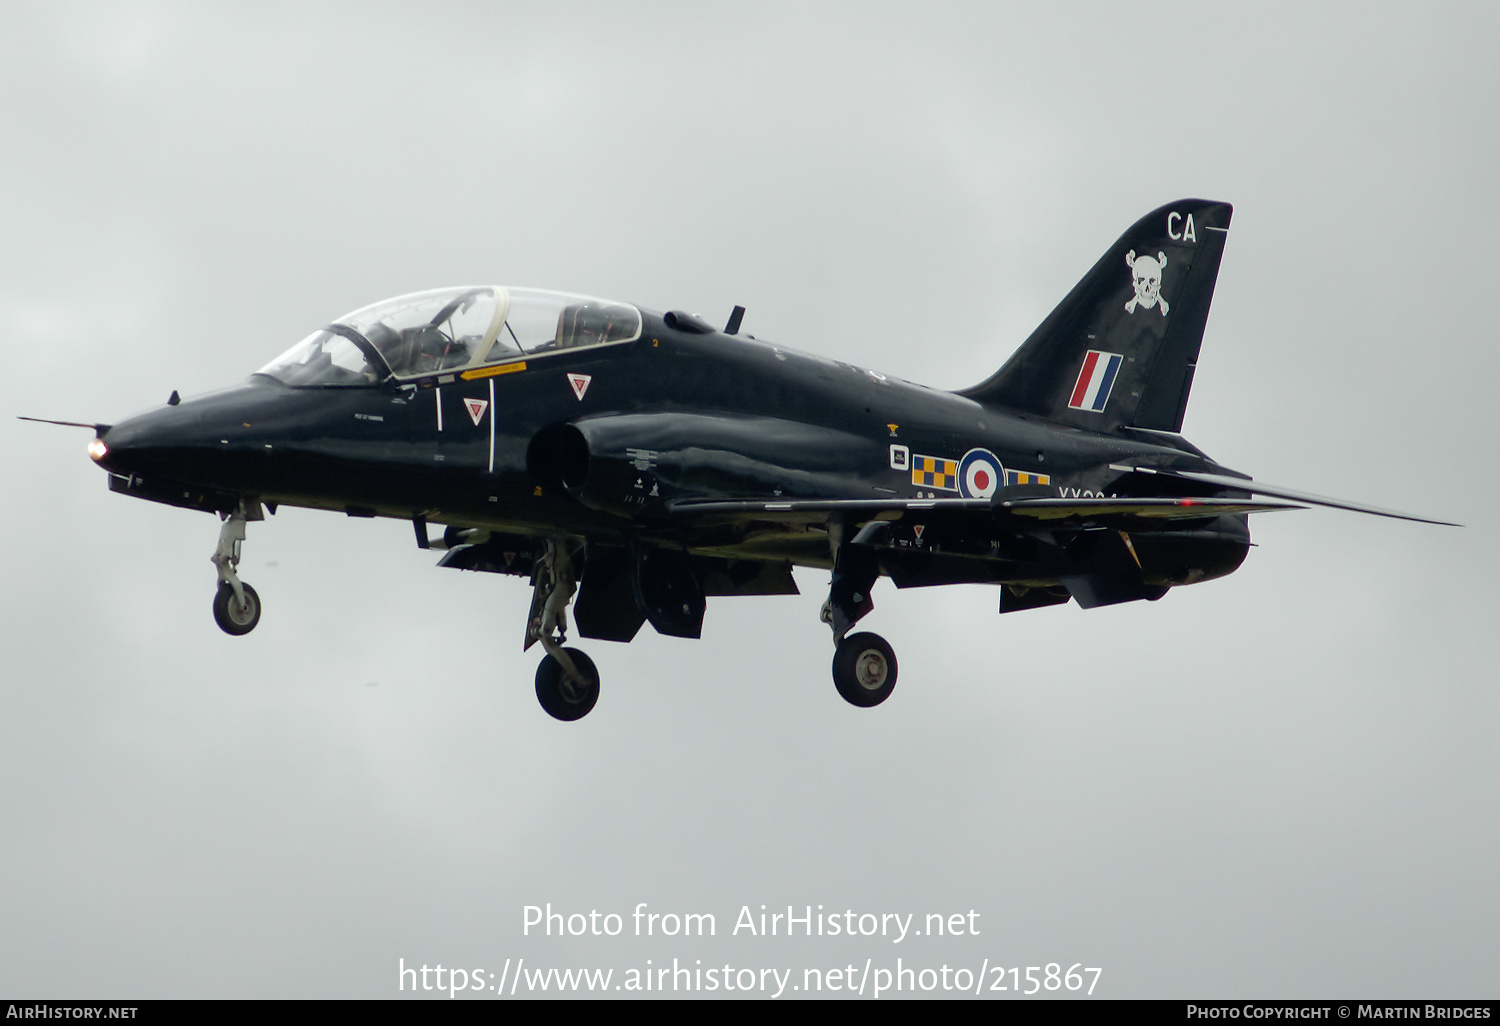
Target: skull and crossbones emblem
[(1146, 276)]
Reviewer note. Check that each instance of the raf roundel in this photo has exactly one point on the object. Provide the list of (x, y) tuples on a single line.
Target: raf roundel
[(979, 474)]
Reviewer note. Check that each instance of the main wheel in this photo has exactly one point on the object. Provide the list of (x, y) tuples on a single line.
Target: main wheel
[(864, 669), (233, 617), (562, 698)]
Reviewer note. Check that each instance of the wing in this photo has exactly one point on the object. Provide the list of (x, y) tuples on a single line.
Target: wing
[(1098, 550), (1041, 508)]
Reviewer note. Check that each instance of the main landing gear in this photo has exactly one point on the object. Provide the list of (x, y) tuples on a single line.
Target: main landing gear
[(567, 684), (236, 605), (864, 664)]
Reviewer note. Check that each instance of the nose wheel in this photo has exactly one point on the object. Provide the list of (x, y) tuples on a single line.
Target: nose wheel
[(234, 615), (864, 669)]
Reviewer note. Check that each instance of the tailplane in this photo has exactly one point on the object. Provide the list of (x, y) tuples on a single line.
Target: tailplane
[(1120, 350)]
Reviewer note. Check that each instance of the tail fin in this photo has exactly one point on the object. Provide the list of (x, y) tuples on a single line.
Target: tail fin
[(1120, 350)]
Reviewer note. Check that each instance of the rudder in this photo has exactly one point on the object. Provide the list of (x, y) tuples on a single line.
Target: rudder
[(1121, 348)]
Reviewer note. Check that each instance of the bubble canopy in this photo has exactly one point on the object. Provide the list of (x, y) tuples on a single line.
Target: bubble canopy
[(444, 331)]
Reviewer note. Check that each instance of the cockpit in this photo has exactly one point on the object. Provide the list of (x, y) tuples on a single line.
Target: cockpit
[(446, 331)]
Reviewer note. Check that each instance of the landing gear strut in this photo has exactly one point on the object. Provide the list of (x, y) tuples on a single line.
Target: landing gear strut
[(236, 605), (864, 664), (567, 684)]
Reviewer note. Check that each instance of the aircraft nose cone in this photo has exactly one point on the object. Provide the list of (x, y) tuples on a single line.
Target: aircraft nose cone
[(141, 444), (196, 440)]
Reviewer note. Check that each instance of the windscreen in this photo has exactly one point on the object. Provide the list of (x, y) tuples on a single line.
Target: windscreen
[(323, 359)]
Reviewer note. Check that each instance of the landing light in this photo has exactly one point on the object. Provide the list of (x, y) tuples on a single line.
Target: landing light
[(97, 449)]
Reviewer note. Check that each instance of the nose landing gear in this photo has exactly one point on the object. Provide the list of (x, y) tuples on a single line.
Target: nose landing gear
[(236, 605)]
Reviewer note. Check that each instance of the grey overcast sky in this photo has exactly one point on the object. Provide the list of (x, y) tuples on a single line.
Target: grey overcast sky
[(1279, 784)]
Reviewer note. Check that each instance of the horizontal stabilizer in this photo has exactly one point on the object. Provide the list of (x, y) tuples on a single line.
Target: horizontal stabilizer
[(1275, 491)]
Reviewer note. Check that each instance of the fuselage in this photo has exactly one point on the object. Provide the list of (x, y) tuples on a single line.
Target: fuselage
[(692, 415)]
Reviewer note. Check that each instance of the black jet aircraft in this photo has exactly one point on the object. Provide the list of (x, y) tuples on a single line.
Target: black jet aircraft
[(635, 464)]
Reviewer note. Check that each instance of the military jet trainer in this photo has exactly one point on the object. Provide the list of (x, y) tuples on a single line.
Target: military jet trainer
[(634, 464)]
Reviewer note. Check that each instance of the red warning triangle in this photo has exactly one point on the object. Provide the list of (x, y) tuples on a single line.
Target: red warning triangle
[(580, 383), (476, 409)]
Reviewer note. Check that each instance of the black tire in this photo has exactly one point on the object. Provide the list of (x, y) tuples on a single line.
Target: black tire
[(562, 699), (864, 669), (231, 618)]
